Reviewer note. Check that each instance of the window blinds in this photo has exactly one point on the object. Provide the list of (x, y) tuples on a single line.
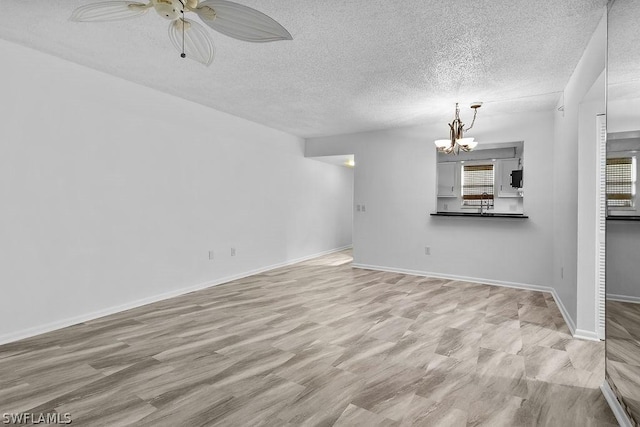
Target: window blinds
[(476, 180), (620, 182)]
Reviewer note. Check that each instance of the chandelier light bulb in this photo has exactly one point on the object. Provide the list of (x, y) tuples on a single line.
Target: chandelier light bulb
[(469, 143)]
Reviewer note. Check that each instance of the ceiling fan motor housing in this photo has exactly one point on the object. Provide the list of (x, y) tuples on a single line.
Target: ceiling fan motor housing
[(169, 9)]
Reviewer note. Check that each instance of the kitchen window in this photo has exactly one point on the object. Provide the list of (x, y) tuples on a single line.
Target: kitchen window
[(477, 185), (621, 182)]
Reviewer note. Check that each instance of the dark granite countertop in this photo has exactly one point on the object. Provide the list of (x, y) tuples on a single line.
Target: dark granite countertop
[(478, 215), (622, 218)]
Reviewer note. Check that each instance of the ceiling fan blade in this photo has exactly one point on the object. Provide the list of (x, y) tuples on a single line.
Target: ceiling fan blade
[(109, 11), (241, 22), (197, 43)]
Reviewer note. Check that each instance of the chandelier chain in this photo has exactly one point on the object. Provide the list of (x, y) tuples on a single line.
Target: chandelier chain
[(475, 113)]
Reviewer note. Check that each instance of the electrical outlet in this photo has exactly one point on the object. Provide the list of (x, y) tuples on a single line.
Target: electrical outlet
[(210, 255), (233, 251), (427, 250), (446, 206), (364, 209), (358, 208)]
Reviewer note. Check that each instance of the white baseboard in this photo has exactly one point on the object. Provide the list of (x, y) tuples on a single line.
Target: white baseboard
[(565, 314), (588, 335), (455, 277), (616, 408), (623, 298), (63, 323)]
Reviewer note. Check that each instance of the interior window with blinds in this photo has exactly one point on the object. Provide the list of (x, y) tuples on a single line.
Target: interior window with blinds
[(477, 185), (621, 182)]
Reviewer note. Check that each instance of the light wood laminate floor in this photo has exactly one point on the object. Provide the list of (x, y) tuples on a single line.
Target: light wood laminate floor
[(317, 343), (623, 353)]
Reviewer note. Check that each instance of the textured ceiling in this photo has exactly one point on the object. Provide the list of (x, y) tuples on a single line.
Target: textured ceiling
[(353, 65), (623, 68)]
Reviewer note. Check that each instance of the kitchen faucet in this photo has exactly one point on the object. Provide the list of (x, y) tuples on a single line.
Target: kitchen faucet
[(482, 202)]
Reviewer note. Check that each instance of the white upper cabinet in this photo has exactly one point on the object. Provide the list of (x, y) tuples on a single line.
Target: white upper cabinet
[(447, 179)]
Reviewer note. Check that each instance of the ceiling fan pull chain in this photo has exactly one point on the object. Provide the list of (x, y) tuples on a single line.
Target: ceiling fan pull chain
[(183, 54)]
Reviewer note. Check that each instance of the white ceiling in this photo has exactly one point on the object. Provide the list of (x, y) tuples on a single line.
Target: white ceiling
[(353, 65), (623, 68)]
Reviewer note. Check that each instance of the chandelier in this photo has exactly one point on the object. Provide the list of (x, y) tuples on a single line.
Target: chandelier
[(456, 141)]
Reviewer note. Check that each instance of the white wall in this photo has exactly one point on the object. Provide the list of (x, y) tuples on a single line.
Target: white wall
[(395, 178), (114, 193), (623, 115), (567, 151)]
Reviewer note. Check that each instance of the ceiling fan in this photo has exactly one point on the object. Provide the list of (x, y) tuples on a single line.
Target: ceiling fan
[(189, 37)]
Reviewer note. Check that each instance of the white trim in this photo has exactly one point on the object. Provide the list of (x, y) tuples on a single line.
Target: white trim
[(563, 310), (586, 335), (623, 298), (454, 277), (601, 224), (59, 324), (616, 407), (565, 313)]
